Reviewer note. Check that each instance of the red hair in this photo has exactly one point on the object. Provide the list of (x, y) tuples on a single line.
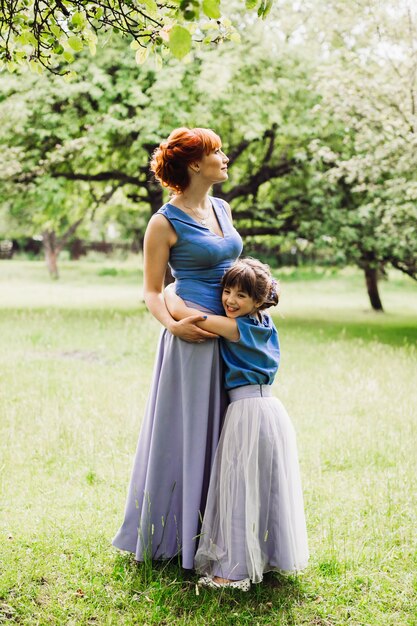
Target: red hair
[(184, 146)]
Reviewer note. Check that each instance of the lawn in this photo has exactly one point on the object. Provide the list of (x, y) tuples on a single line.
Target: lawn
[(76, 361)]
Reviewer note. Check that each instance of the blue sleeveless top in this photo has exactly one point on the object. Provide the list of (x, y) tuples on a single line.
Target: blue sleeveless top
[(254, 359), (199, 258)]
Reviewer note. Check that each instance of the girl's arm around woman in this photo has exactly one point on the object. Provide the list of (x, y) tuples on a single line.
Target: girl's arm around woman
[(218, 324)]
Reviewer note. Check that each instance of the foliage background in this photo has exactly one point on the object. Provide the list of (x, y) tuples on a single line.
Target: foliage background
[(316, 109)]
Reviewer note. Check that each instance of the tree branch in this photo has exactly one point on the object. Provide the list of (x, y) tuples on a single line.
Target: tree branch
[(251, 186), (102, 176), (251, 231), (271, 134), (70, 231), (411, 271)]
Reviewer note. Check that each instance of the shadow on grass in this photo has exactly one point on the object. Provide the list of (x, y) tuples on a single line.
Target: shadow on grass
[(172, 596), (383, 330)]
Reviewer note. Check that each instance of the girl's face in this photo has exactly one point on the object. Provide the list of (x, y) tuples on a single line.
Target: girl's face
[(237, 302), (213, 166)]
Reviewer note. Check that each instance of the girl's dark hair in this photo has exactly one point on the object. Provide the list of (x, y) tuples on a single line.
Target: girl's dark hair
[(184, 146), (254, 278)]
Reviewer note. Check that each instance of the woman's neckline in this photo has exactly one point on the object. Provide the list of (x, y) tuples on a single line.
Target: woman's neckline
[(220, 223)]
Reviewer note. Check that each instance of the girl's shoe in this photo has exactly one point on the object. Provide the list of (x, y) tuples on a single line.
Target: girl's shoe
[(207, 581)]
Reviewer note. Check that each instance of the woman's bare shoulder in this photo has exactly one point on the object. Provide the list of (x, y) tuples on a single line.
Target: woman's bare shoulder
[(159, 226)]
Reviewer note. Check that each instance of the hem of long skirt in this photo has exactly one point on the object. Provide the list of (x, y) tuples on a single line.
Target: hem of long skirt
[(159, 560), (258, 579)]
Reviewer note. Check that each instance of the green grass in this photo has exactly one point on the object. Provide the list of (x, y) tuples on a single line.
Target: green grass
[(75, 365)]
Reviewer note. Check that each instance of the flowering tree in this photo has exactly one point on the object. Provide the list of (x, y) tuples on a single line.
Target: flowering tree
[(84, 147), (319, 123), (368, 143)]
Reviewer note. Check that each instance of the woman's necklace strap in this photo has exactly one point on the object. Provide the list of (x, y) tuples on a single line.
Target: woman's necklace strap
[(202, 219)]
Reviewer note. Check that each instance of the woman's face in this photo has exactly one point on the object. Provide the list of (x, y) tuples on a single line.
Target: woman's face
[(213, 166)]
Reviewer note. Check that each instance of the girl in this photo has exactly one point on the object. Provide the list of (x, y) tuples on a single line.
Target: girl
[(254, 517)]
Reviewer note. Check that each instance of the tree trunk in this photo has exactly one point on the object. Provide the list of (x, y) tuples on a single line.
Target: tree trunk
[(155, 197), (371, 278), (77, 249), (53, 246), (51, 252)]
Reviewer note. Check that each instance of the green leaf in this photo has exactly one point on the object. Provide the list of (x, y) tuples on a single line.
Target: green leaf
[(68, 57), (267, 8), (55, 30), (35, 67), (134, 45), (75, 43), (69, 76), (78, 19), (141, 55), (251, 4), (190, 15), (180, 41), (211, 8), (25, 38), (20, 56), (90, 36), (151, 7)]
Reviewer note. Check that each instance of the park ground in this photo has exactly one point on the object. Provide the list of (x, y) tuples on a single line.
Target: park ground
[(76, 361)]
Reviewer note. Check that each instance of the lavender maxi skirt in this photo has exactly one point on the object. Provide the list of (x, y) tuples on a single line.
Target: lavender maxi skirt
[(175, 452), (254, 518)]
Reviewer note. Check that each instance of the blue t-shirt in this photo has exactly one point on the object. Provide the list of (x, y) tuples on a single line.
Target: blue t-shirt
[(254, 359)]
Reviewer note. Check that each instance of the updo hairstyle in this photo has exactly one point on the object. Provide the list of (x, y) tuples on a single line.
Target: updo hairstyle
[(184, 146), (254, 278)]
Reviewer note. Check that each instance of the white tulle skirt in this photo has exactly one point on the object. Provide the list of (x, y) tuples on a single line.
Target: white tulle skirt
[(254, 518)]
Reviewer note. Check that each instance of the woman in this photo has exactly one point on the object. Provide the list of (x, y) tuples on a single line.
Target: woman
[(193, 233)]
